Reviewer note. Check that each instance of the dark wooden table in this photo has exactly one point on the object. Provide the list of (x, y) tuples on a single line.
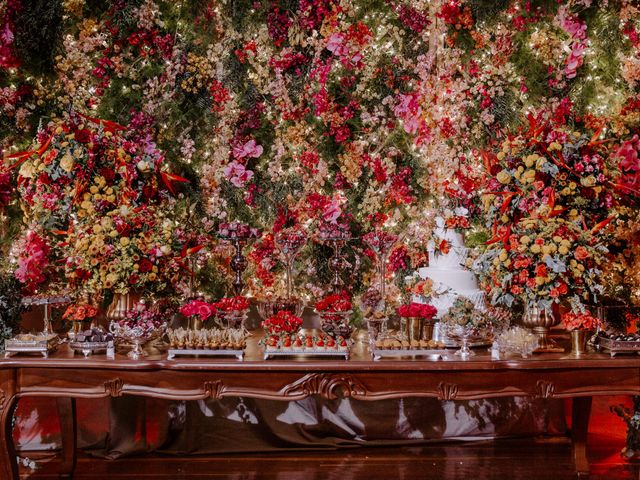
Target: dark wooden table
[(68, 377)]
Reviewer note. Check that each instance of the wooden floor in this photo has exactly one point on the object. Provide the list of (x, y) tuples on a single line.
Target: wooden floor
[(533, 459)]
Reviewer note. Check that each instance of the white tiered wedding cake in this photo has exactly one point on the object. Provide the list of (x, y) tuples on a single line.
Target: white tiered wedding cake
[(448, 273)]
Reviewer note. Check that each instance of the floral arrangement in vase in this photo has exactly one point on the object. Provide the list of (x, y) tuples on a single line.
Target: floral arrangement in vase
[(198, 308), (580, 321), (237, 304), (334, 303), (417, 310), (543, 261), (282, 322), (80, 312), (334, 310), (232, 311)]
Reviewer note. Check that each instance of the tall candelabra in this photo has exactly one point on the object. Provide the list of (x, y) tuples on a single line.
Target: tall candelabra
[(381, 243), (239, 234)]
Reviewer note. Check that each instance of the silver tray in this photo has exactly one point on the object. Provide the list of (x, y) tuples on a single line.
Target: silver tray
[(377, 354), (307, 352), (617, 346), (53, 300), (478, 343), (44, 347), (203, 352), (87, 348)]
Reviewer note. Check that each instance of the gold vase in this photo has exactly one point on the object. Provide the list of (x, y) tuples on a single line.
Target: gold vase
[(578, 341), (121, 303), (540, 321), (413, 328)]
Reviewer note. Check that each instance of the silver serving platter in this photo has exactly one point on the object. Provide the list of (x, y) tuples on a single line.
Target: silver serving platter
[(618, 346), (270, 352), (15, 346), (204, 352), (44, 300), (378, 353), (87, 348)]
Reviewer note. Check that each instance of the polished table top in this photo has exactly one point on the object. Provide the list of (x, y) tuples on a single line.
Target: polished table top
[(360, 360)]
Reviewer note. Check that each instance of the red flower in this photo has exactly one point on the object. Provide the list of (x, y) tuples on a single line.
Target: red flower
[(417, 310), (282, 322), (145, 266), (581, 253), (337, 302), (541, 270)]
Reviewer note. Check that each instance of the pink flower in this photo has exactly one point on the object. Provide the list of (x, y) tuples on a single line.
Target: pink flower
[(628, 154), (198, 308), (250, 149), (237, 174), (575, 59), (409, 111), (336, 45), (331, 212)]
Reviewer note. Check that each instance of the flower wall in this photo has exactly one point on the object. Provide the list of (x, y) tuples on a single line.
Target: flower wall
[(353, 115)]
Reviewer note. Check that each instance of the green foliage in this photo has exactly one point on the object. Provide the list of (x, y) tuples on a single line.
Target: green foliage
[(37, 35), (10, 304)]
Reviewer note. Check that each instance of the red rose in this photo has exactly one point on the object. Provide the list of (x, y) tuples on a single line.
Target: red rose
[(83, 136), (108, 174), (145, 265)]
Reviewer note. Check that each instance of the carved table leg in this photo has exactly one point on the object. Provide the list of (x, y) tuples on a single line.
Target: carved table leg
[(8, 401), (579, 429), (68, 431)]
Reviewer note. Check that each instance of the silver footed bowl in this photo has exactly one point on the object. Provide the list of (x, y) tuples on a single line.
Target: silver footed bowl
[(137, 336)]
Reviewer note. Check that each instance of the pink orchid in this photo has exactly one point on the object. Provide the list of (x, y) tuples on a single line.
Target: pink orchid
[(409, 111), (628, 154), (336, 45), (575, 59), (250, 149), (331, 212), (237, 173)]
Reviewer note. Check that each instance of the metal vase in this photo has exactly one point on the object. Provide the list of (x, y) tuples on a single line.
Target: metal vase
[(414, 328), (540, 321), (578, 341), (121, 303)]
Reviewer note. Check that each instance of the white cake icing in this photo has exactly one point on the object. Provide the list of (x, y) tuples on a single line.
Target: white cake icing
[(447, 271)]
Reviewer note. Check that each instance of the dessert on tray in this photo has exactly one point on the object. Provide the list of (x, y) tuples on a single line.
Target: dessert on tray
[(396, 344), (207, 342)]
